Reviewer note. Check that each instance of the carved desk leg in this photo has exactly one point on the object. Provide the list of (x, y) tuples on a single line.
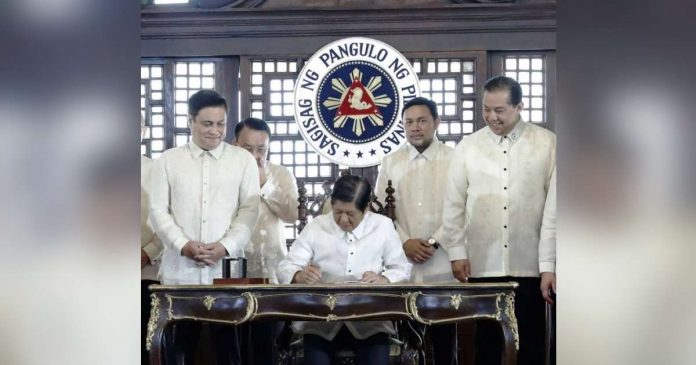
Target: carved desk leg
[(155, 330), (508, 322)]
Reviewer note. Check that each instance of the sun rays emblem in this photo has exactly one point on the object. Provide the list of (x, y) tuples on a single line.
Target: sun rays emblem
[(357, 102)]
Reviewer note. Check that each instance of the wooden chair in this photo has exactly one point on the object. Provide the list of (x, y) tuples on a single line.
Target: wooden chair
[(406, 347)]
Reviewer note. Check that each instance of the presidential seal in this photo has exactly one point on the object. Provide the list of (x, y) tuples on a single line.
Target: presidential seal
[(349, 97)]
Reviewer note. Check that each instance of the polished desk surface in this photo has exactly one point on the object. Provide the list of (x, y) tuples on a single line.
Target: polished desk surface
[(425, 303)]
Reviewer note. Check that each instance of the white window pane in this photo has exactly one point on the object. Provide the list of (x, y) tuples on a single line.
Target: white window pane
[(467, 115), (181, 69), (312, 158), (437, 98), (208, 69), (300, 146), (525, 114), (287, 159), (450, 84), (195, 83), (257, 105), (208, 83), (300, 171), (257, 90), (157, 119), (437, 85), (325, 170), (181, 95), (276, 98), (282, 128), (157, 95), (269, 67), (512, 75), (256, 79), (312, 171), (525, 89), (455, 128), (276, 110), (455, 66), (537, 103), (275, 146), (181, 82), (288, 84), (468, 128), (143, 149), (450, 110), (468, 79), (511, 64), (144, 72), (425, 85), (276, 85), (468, 104), (467, 66), (537, 64), (450, 97), (431, 67), (157, 145), (257, 115), (442, 66), (181, 108), (181, 121), (288, 97), (523, 64), (300, 158), (537, 77), (275, 158), (293, 67), (442, 129), (417, 67), (468, 90), (292, 129), (282, 66), (156, 72), (523, 77), (537, 116), (157, 132), (537, 90), (195, 68), (256, 67), (288, 110)]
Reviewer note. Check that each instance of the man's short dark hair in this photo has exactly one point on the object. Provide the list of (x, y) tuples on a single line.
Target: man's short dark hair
[(505, 83), (422, 101), (203, 99), (252, 123), (352, 189)]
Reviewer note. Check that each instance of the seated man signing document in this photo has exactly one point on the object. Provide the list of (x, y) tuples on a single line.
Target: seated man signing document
[(348, 244)]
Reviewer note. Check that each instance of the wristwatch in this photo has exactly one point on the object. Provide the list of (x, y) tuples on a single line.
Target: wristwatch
[(433, 242)]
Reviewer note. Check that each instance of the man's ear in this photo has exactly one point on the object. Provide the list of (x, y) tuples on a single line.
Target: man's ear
[(520, 106), (437, 124), (190, 120)]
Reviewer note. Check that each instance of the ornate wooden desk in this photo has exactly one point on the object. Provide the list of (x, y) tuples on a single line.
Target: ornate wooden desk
[(428, 304)]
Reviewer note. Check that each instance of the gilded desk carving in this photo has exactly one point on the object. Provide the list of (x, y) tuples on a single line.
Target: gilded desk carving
[(427, 304)]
